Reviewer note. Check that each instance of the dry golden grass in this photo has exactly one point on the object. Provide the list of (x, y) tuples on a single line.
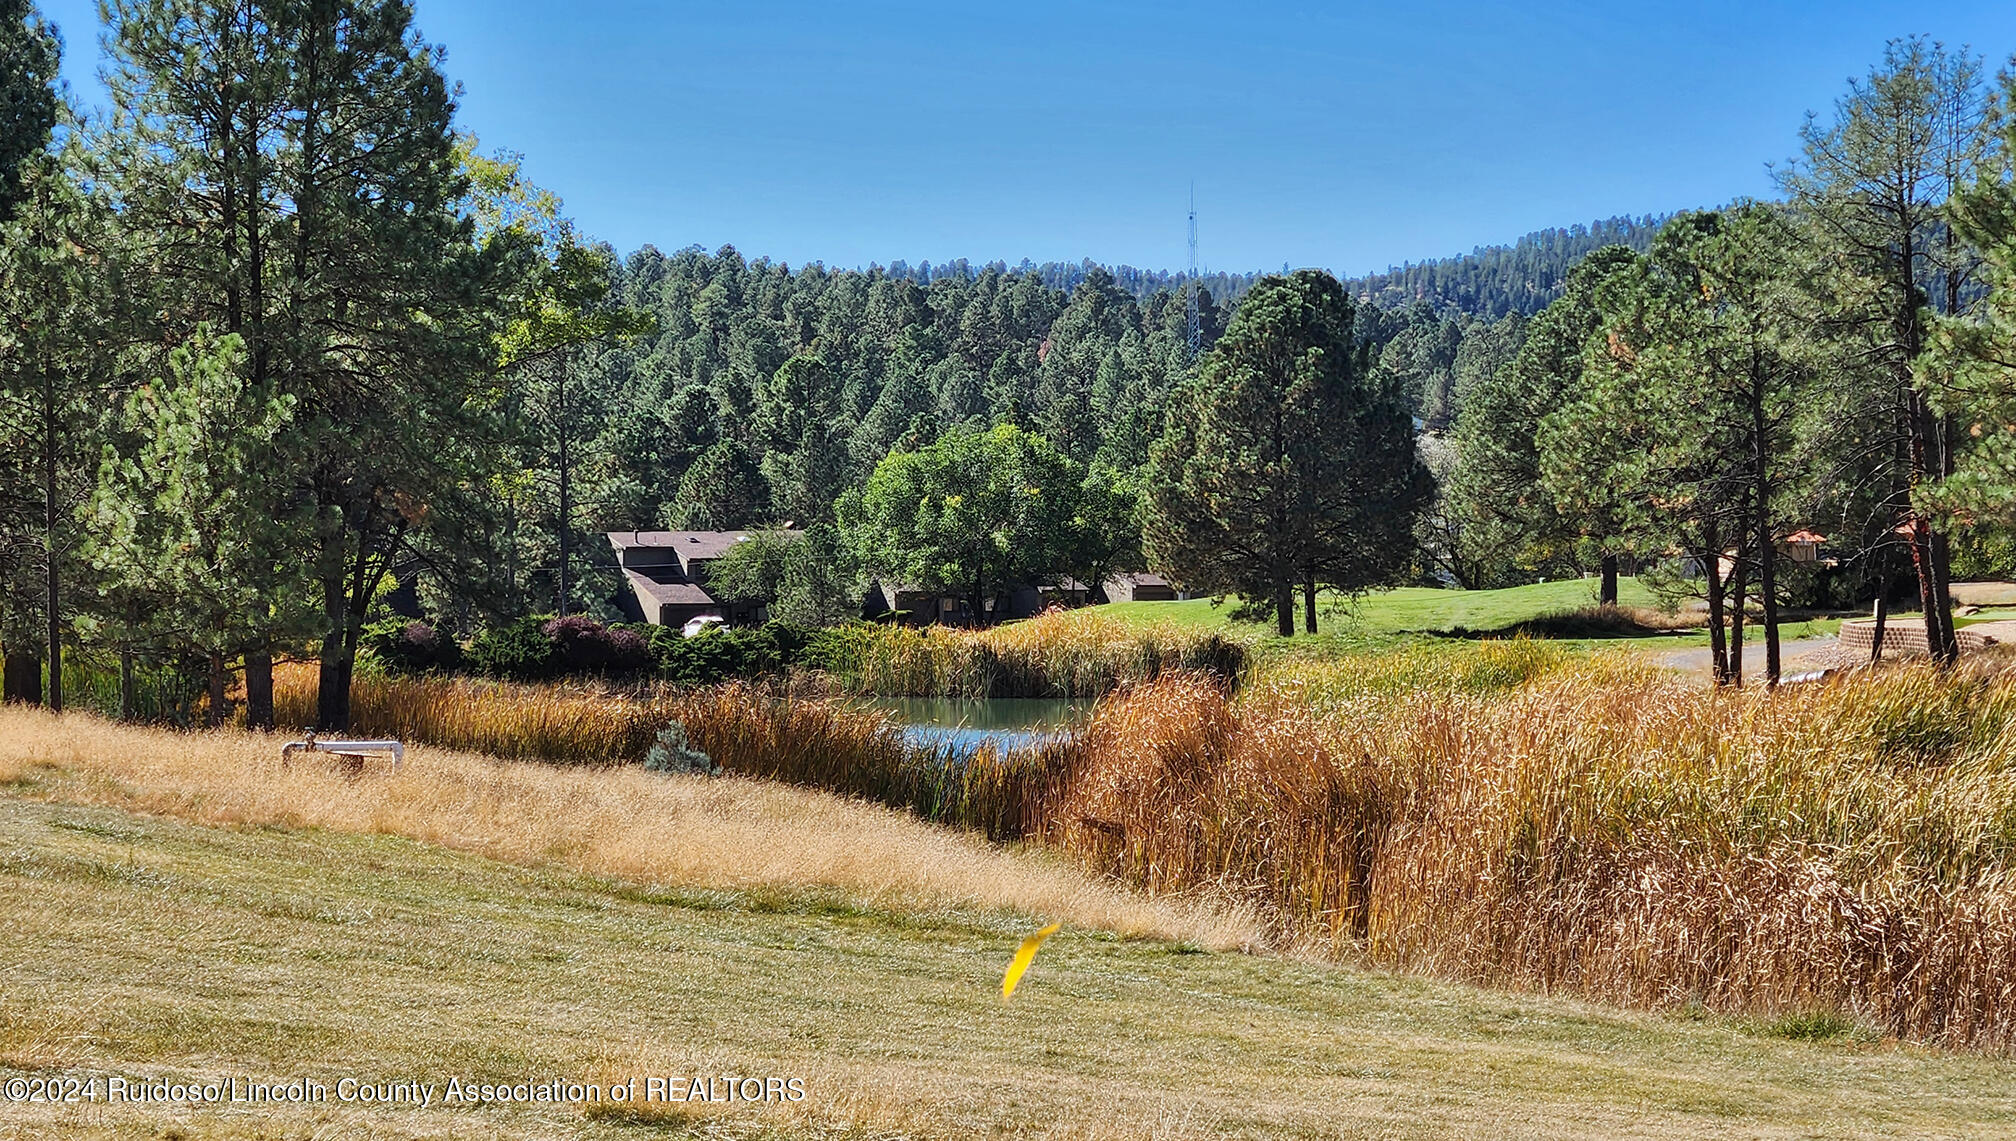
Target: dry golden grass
[(573, 723), (1844, 847), (623, 822), (1510, 813), (150, 947)]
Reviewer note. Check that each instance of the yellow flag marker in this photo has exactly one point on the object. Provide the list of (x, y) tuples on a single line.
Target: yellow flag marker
[(1023, 957)]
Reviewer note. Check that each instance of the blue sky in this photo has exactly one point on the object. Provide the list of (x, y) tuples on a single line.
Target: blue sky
[(1349, 135)]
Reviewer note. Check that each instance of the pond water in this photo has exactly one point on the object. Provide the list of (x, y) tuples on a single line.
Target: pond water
[(959, 727)]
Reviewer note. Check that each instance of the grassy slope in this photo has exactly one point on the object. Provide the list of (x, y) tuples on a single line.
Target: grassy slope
[(1417, 608), (150, 946)]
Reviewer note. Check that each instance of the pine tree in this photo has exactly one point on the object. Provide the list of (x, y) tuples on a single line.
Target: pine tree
[(28, 59), (1496, 491), (1875, 183), (63, 295), (1288, 463), (323, 223), (179, 515)]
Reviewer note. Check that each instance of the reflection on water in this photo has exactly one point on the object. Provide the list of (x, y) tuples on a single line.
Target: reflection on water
[(958, 728)]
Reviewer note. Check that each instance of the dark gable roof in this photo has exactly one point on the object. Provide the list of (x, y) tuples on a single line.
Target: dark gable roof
[(689, 544), (667, 593)]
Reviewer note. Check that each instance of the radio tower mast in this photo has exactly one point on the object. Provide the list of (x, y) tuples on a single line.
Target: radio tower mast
[(1193, 320)]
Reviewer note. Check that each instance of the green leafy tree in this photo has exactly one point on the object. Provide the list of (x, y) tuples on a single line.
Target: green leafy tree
[(971, 513), (753, 570), (805, 578), (822, 583), (1107, 527), (1288, 461)]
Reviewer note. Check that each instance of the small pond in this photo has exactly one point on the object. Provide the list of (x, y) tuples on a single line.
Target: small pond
[(958, 727)]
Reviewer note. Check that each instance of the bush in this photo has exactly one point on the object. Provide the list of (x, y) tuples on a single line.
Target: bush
[(516, 651), (583, 645), (410, 646), (672, 753), (719, 654)]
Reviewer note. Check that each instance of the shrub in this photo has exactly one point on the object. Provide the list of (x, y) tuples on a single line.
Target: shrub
[(516, 651), (672, 753), (410, 646), (584, 646), (719, 655)]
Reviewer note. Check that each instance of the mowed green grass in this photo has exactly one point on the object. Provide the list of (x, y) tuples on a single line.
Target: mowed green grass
[(155, 948), (1415, 609), (1376, 620)]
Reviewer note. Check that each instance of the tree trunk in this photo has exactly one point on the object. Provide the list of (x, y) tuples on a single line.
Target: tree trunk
[(560, 428), (1711, 565), (55, 602), (1925, 464), (1739, 584), (220, 699), (1947, 648), (332, 691), (1767, 544), (1284, 608), (1921, 565), (1606, 591), (1882, 604), (259, 689), (22, 678), (128, 705), (1767, 589), (1309, 602)]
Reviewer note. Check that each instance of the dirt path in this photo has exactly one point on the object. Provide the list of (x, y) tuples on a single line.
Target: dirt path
[(1696, 661)]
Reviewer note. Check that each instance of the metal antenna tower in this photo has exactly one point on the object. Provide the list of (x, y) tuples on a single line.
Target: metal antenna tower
[(1193, 326)]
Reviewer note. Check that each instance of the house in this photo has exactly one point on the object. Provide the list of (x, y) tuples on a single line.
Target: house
[(1804, 546), (918, 605), (667, 575), (1139, 586)]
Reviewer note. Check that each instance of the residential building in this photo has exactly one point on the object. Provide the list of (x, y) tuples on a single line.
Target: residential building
[(666, 572)]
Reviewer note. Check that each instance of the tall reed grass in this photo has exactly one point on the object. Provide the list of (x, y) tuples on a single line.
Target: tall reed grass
[(828, 745), (568, 723), (1846, 846), (1079, 653), (1596, 828)]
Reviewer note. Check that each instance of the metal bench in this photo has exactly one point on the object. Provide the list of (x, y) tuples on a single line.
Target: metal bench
[(353, 753)]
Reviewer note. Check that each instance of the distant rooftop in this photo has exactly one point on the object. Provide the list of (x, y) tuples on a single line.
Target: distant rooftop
[(689, 544)]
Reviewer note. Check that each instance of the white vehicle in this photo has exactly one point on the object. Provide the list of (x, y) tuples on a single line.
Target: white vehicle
[(699, 625)]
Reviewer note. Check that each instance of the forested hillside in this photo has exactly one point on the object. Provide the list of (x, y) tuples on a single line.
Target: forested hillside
[(1489, 281), (1492, 281), (764, 392)]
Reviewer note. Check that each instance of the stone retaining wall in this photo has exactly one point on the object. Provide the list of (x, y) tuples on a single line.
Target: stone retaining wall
[(1902, 637)]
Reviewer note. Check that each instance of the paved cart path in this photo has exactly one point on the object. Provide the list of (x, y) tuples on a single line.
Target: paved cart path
[(1696, 661)]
